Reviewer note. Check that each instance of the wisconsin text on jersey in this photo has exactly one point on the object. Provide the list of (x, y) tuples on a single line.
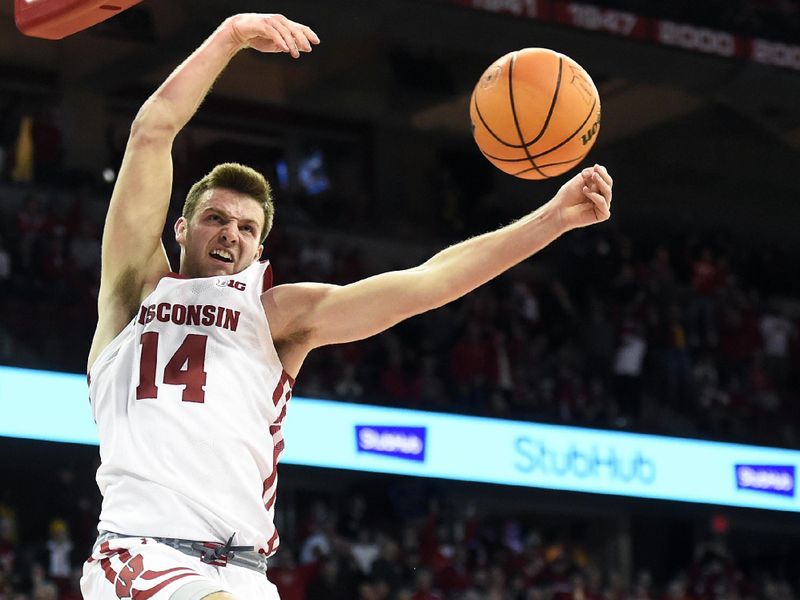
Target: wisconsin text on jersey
[(193, 314)]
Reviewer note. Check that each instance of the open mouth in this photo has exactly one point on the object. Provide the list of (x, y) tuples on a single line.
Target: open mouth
[(221, 256)]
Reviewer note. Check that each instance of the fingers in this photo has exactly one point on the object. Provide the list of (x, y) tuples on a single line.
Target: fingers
[(597, 173), (296, 37), (601, 208), (604, 182), (309, 35), (603, 173), (602, 185), (597, 179), (273, 33), (587, 175), (300, 40), (281, 37)]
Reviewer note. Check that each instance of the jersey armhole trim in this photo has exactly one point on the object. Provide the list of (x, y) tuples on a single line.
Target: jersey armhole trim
[(266, 279), (112, 345)]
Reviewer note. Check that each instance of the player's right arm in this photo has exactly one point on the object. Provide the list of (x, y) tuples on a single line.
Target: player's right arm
[(133, 257)]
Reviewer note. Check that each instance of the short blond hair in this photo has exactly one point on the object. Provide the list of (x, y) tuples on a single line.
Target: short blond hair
[(238, 178)]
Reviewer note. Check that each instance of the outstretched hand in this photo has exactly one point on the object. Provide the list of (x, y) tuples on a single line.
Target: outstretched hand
[(271, 33), (585, 199)]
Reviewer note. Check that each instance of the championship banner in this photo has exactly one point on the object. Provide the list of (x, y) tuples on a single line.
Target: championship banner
[(319, 433)]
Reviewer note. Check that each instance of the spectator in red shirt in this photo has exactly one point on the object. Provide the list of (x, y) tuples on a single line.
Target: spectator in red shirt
[(290, 578), (456, 576), (707, 276), (739, 338), (7, 534), (31, 223), (473, 355), (396, 382)]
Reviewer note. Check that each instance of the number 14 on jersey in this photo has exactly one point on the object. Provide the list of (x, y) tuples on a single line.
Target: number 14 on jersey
[(186, 367)]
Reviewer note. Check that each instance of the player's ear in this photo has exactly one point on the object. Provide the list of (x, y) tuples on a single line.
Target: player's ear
[(259, 251), (180, 230)]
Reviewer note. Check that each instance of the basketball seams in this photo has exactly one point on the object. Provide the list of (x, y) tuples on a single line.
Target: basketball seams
[(550, 112), (552, 105), (514, 113), (553, 164), (485, 124), (572, 135), (523, 105), (549, 150)]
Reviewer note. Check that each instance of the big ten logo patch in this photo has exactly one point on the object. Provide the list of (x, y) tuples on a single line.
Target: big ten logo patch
[(232, 283)]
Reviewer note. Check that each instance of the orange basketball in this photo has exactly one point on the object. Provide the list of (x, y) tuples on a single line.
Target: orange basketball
[(535, 113)]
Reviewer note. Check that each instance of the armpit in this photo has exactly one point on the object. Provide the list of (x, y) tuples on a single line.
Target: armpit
[(127, 290)]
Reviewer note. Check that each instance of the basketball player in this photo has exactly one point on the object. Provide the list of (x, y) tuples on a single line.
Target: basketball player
[(190, 373)]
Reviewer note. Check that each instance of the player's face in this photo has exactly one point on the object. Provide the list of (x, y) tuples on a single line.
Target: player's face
[(223, 236)]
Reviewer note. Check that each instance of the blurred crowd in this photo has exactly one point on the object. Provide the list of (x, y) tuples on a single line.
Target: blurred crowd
[(685, 335), (342, 548), (678, 333), (449, 553), (667, 339)]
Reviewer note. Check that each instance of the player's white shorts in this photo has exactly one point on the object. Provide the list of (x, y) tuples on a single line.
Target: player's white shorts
[(138, 568)]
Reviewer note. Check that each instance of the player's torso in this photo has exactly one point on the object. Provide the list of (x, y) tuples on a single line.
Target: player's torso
[(189, 400)]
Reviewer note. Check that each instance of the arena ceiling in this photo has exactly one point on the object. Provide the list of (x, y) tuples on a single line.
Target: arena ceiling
[(405, 62)]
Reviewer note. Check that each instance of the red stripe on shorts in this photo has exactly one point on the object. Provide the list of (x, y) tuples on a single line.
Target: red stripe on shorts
[(157, 574), (111, 574), (153, 591)]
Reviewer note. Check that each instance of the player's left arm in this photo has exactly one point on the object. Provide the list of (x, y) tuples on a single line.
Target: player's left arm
[(316, 315)]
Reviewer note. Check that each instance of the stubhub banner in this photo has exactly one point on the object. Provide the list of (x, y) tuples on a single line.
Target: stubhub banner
[(770, 479), (402, 442), (54, 406), (407, 442)]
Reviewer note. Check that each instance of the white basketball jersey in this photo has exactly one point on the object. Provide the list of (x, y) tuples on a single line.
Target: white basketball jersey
[(189, 400)]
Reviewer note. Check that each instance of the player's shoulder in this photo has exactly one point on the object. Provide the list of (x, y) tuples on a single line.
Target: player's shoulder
[(287, 305)]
